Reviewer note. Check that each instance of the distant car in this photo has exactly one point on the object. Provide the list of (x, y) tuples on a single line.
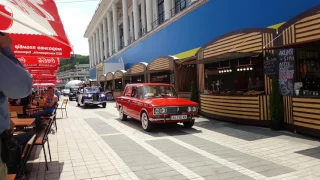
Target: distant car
[(155, 103), (65, 92), (109, 95), (73, 92), (91, 96)]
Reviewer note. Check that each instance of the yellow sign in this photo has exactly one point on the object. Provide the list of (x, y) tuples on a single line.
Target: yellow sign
[(99, 67)]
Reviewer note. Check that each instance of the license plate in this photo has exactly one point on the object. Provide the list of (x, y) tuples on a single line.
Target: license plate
[(180, 117)]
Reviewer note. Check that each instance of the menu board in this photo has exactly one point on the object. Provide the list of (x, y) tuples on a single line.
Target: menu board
[(286, 71), (270, 65)]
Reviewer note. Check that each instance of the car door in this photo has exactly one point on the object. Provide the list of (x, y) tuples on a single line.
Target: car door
[(134, 103), (124, 100)]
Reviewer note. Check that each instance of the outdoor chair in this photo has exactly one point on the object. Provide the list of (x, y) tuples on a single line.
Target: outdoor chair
[(43, 138), (64, 107), (52, 117), (20, 173)]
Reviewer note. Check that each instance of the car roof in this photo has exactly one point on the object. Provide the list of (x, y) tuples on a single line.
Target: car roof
[(149, 84)]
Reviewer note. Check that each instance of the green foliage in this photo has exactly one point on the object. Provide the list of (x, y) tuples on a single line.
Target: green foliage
[(276, 106), (67, 64), (194, 92)]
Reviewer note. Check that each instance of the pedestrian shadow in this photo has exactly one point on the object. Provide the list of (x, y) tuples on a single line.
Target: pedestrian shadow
[(159, 130)]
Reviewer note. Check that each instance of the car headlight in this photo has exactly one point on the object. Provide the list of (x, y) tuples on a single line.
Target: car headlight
[(163, 110), (159, 110), (189, 109), (102, 95), (89, 95), (156, 111), (194, 109)]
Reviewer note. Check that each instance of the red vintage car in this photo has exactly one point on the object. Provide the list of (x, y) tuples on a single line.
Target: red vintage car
[(155, 103)]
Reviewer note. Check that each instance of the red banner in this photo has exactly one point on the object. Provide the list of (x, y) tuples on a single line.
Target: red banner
[(38, 71), (44, 77), (45, 81), (31, 62)]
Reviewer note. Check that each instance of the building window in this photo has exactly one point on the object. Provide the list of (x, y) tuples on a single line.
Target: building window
[(179, 5), (121, 36), (140, 22), (160, 11)]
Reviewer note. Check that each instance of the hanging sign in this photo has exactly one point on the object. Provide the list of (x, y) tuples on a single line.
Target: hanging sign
[(286, 59)]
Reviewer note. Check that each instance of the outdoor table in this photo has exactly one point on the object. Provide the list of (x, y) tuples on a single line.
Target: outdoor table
[(22, 122)]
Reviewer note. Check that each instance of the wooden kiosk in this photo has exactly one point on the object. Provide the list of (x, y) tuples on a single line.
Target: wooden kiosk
[(302, 105), (160, 70), (102, 80), (138, 73), (119, 82), (185, 73), (109, 81), (230, 77)]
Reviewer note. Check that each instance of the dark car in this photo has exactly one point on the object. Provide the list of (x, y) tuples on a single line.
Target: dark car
[(91, 96), (73, 92)]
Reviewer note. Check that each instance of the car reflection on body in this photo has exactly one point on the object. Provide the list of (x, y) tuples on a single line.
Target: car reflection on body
[(91, 96), (155, 103)]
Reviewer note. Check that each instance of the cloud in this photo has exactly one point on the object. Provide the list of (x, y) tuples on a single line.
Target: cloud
[(75, 18)]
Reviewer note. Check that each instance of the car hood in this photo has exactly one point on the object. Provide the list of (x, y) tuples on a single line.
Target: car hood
[(170, 102)]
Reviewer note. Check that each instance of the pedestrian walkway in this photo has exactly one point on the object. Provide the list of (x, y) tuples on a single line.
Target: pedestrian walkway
[(93, 144)]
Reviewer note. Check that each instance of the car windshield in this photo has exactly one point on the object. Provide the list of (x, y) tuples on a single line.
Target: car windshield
[(157, 91), (91, 89)]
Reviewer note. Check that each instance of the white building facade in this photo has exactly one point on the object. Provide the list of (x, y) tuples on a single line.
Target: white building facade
[(109, 33)]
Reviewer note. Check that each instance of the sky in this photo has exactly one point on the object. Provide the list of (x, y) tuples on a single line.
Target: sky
[(75, 18)]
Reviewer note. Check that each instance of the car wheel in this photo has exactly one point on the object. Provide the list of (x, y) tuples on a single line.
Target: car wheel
[(70, 99), (104, 105), (122, 116), (85, 105), (146, 124), (188, 124)]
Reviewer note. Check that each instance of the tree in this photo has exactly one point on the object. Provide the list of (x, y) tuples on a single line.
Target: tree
[(276, 106), (67, 64), (194, 92)]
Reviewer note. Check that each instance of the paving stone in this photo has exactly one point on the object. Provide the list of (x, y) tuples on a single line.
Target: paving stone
[(99, 126), (235, 156), (136, 156), (166, 146)]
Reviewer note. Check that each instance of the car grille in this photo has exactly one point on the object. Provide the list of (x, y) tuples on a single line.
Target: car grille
[(95, 97), (174, 110)]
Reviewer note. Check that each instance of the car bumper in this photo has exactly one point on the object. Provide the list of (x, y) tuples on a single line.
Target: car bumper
[(94, 102), (167, 119)]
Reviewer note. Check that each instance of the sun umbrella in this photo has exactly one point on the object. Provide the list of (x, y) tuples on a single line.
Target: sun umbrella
[(35, 28)]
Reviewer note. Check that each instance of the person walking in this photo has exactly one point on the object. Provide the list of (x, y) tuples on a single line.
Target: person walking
[(16, 83)]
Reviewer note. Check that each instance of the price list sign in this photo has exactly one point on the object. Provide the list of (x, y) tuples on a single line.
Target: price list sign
[(286, 59), (270, 65)]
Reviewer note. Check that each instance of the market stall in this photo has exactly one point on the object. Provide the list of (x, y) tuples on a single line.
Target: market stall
[(109, 81), (299, 71), (231, 81), (160, 70), (120, 80), (185, 73), (102, 80), (138, 73)]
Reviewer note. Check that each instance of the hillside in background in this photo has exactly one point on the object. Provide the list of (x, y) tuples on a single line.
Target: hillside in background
[(67, 64)]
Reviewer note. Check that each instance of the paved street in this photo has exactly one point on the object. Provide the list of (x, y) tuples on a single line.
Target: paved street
[(94, 144)]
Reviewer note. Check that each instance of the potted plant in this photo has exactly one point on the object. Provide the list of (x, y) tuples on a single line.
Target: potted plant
[(276, 106), (194, 92)]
